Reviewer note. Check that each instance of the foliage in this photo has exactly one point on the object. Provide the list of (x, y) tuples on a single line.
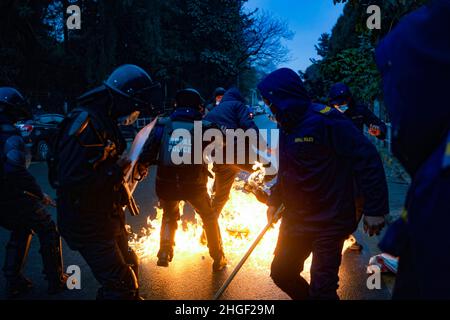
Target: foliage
[(348, 54), (199, 43), (356, 68)]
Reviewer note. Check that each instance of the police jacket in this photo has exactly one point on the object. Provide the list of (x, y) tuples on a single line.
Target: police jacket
[(321, 153), (174, 182), (361, 115), (15, 177), (232, 113), (90, 200), (414, 61)]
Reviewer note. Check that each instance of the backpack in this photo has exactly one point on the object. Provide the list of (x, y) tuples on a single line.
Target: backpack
[(171, 146), (53, 154)]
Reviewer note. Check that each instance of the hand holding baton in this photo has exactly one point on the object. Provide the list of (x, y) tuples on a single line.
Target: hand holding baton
[(270, 223), (46, 200)]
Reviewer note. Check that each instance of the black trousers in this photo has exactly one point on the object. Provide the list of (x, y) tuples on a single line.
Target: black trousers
[(23, 218), (291, 252), (102, 240), (225, 174), (202, 205), (114, 265)]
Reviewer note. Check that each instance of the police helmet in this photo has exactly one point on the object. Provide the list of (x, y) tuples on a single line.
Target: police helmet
[(13, 104), (188, 98), (135, 84), (339, 94), (219, 92)]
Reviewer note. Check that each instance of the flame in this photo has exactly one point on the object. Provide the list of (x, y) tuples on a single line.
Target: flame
[(241, 221)]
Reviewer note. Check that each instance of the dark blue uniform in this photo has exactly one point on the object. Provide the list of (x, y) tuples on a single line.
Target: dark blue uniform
[(231, 113), (23, 214), (87, 168), (90, 202), (414, 61), (321, 152), (360, 114), (175, 183)]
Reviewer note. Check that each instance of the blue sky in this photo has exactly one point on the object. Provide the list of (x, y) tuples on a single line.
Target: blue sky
[(308, 19)]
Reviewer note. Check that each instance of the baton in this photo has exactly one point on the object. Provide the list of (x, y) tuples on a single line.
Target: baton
[(247, 254), (32, 195)]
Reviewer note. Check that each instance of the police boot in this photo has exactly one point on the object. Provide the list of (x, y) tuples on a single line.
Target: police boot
[(126, 288), (133, 261), (51, 253), (16, 254), (165, 254), (214, 238)]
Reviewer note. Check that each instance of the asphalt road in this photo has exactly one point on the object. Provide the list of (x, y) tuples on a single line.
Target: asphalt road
[(190, 277)]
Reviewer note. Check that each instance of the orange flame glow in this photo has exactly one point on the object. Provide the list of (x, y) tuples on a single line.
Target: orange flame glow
[(241, 221)]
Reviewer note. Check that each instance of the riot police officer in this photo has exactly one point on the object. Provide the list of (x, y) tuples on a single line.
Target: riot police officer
[(320, 152), (216, 99), (23, 204), (186, 181), (232, 113), (342, 99), (90, 169), (416, 80)]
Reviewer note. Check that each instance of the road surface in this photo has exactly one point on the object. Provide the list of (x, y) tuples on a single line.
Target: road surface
[(191, 278)]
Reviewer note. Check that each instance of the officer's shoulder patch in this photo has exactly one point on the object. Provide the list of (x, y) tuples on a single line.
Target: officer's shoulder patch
[(322, 109)]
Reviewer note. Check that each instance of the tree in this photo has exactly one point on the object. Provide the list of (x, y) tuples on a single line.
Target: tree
[(356, 68), (323, 48), (348, 54), (197, 43), (315, 82), (262, 39)]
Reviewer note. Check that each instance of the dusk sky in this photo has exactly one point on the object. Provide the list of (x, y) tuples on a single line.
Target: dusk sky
[(308, 19)]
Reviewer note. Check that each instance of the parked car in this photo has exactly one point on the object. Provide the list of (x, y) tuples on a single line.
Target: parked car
[(38, 132)]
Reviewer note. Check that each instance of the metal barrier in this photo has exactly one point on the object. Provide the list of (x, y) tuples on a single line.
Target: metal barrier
[(389, 137)]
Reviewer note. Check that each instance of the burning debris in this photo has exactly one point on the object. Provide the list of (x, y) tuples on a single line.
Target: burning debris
[(242, 219)]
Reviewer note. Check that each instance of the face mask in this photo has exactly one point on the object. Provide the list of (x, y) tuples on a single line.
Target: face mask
[(129, 119), (342, 108)]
